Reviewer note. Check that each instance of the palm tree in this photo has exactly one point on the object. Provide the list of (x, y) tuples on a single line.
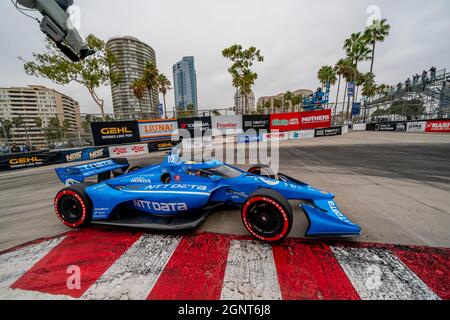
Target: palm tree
[(164, 85), (377, 32), (356, 48), (138, 88), (327, 74), (340, 68), (150, 79), (288, 96)]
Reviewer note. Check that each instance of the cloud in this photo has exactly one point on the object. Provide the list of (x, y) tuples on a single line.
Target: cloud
[(296, 38)]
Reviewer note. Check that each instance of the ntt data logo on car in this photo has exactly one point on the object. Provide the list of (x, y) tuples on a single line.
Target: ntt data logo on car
[(160, 206)]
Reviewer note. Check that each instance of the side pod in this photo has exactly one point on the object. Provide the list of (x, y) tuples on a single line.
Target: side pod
[(325, 219)]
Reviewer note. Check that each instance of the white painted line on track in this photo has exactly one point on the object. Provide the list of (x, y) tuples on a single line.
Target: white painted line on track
[(135, 273), (14, 264), (251, 273), (377, 274), (17, 294)]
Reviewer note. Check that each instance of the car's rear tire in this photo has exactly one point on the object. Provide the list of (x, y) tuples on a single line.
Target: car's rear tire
[(267, 215), (262, 170), (73, 206)]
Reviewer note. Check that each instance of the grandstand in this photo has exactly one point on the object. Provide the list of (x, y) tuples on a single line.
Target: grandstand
[(424, 97)]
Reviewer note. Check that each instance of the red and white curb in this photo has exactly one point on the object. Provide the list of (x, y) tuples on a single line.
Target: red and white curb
[(115, 264)]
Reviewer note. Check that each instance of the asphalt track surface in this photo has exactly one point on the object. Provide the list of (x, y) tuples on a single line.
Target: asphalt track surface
[(395, 186)]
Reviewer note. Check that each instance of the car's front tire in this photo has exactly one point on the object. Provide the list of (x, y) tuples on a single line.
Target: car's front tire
[(73, 206), (267, 215)]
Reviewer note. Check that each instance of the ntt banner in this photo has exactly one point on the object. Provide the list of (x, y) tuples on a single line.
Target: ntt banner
[(157, 130), (315, 119), (227, 124)]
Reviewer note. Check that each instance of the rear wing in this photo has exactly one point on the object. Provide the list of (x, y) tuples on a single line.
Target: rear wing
[(77, 174)]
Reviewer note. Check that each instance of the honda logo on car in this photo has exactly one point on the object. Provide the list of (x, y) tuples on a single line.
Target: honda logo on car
[(160, 206)]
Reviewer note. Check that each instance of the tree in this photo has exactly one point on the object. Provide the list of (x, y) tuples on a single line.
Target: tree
[(138, 88), (5, 132), (377, 32), (340, 69), (349, 74), (277, 103), (164, 85), (19, 123), (243, 78), (150, 79), (327, 74), (356, 48), (267, 105), (93, 72), (296, 100), (288, 96)]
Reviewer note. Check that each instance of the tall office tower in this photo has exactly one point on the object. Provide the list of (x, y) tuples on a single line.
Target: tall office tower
[(185, 84)]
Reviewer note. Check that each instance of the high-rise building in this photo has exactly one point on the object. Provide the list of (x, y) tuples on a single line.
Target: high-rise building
[(37, 106), (132, 56), (185, 84), (239, 103)]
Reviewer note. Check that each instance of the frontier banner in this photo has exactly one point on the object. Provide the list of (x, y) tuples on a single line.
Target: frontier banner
[(155, 130), (227, 124)]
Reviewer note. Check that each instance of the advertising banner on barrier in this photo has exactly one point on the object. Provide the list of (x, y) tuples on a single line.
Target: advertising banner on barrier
[(155, 146), (400, 126), (128, 150), (388, 126), (195, 123), (257, 122), (315, 120), (304, 134), (249, 138), (274, 136), (28, 160), (285, 122), (85, 154), (416, 126), (154, 130), (328, 132), (108, 133), (438, 126), (227, 124), (360, 127)]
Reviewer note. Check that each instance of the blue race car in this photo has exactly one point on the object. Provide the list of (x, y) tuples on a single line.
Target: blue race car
[(179, 195)]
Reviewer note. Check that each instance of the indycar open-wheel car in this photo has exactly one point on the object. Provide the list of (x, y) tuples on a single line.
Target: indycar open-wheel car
[(180, 195)]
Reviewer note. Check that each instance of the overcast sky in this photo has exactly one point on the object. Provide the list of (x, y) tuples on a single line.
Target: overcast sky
[(296, 37)]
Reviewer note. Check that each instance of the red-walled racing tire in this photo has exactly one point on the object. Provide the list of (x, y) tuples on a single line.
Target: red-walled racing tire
[(262, 170), (267, 215), (73, 206)]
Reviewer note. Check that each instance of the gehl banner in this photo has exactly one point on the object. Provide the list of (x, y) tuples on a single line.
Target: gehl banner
[(112, 133)]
